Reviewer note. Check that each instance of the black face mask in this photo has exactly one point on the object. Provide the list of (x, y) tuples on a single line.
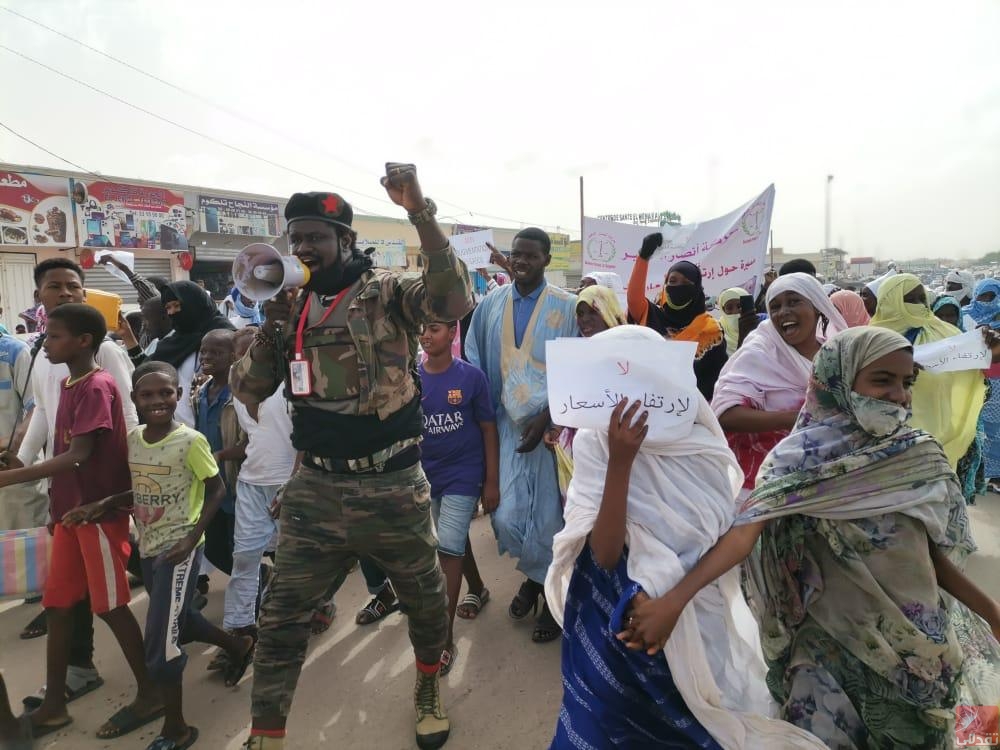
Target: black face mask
[(681, 294)]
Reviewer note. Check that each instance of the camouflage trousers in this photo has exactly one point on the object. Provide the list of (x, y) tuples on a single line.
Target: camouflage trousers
[(327, 522)]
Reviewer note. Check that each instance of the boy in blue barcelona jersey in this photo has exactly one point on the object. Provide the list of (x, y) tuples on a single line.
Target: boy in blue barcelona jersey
[(461, 457)]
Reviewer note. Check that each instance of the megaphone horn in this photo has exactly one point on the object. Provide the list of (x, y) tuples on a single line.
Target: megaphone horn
[(260, 272)]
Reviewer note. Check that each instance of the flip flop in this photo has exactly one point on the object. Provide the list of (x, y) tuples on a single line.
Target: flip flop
[(322, 618), (546, 627), (36, 628), (219, 663), (32, 702), (235, 671), (125, 720), (473, 604), (525, 601), (43, 730), (162, 743)]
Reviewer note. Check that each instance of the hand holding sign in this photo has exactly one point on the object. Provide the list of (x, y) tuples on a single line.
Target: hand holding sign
[(499, 259), (967, 351), (625, 436), (589, 378), (474, 248), (993, 342)]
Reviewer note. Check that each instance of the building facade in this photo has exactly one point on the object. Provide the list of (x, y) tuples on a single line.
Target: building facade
[(171, 231)]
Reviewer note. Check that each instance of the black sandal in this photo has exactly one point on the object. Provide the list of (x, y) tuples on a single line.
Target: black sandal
[(546, 629), (375, 610), (525, 601), (38, 627), (235, 670)]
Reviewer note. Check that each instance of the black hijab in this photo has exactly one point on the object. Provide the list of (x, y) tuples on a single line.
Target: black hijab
[(680, 305), (198, 316)]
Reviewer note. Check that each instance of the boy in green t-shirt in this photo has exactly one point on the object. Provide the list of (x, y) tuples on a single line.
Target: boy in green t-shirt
[(176, 489)]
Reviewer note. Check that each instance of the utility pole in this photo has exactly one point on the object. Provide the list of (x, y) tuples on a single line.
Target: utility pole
[(826, 255), (826, 235)]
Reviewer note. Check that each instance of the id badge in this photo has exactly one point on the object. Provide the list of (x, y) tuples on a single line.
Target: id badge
[(300, 377)]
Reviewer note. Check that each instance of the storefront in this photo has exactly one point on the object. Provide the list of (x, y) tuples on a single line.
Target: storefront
[(168, 231), (36, 220), (224, 225)]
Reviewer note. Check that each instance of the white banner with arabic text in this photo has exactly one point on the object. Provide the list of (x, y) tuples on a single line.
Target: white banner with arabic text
[(730, 250)]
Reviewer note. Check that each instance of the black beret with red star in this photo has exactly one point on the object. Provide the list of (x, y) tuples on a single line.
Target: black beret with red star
[(328, 207)]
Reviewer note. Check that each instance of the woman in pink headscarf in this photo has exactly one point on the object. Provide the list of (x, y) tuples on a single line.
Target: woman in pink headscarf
[(852, 307), (763, 385)]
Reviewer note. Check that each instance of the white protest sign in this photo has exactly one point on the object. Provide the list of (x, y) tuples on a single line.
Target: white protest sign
[(967, 351), (125, 258), (471, 248), (388, 253), (730, 250), (588, 377)]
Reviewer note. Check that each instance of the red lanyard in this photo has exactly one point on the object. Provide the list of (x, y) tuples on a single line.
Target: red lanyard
[(305, 316)]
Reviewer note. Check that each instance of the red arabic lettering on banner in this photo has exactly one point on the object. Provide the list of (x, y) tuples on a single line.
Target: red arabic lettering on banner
[(111, 214), (35, 210), (730, 250)]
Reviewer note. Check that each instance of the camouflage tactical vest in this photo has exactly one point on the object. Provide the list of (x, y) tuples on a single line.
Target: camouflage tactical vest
[(361, 358)]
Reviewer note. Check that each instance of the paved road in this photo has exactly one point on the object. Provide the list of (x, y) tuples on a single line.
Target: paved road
[(356, 689)]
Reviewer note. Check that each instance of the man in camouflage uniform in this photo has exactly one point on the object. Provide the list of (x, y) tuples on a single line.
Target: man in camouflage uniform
[(348, 343)]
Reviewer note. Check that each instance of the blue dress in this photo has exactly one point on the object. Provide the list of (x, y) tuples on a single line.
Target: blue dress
[(614, 697)]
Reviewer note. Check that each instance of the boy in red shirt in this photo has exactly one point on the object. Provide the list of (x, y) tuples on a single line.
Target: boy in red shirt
[(90, 462)]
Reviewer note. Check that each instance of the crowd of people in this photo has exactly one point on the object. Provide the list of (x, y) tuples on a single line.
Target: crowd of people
[(785, 571)]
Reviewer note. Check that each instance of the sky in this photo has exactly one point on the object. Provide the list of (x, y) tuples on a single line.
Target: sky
[(658, 105)]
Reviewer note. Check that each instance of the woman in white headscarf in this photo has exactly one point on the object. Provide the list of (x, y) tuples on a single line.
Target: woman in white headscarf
[(763, 386), (869, 292), (607, 279), (639, 513)]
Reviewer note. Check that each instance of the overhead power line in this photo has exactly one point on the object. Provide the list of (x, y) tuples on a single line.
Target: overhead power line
[(174, 123), (240, 116), (42, 148)]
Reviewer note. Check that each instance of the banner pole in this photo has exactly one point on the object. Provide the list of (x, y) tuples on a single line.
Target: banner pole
[(582, 237)]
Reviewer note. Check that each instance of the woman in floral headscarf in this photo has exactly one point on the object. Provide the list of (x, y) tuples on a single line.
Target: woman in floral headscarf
[(862, 530), (985, 310)]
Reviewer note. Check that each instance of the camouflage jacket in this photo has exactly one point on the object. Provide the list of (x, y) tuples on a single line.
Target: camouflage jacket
[(362, 360)]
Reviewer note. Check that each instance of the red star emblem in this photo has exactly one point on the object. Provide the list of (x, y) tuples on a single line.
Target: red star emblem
[(331, 204)]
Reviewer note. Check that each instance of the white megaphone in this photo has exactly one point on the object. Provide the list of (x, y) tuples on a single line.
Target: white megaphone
[(260, 272)]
